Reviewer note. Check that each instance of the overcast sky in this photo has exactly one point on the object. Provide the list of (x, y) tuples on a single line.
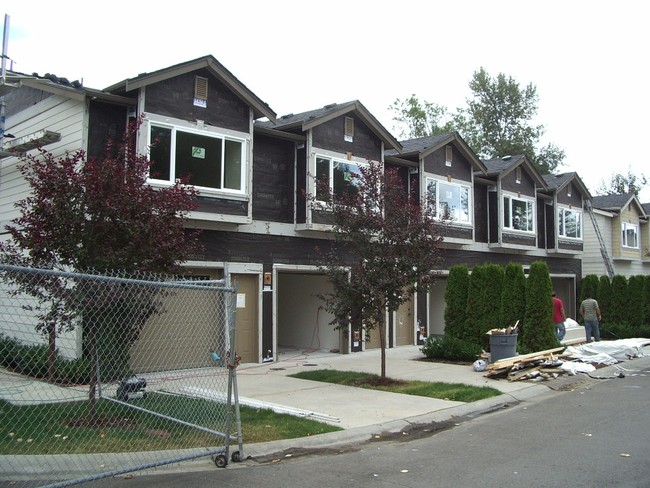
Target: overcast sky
[(588, 59)]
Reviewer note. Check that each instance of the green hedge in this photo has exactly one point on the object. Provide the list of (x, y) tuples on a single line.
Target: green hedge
[(451, 348), (31, 360)]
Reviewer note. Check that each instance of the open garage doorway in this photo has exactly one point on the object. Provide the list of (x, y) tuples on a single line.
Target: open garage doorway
[(302, 323), (437, 305)]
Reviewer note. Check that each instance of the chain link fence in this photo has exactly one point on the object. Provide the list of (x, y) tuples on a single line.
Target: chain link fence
[(102, 375)]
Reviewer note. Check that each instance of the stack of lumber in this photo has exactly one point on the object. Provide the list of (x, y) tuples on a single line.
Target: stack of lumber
[(537, 366)]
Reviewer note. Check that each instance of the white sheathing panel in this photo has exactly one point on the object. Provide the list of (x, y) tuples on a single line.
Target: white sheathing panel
[(56, 114)]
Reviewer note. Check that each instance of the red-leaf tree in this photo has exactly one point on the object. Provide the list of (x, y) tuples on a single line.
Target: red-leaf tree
[(94, 214), (387, 246)]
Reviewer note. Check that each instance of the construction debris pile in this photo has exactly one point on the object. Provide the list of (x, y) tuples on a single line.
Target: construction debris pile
[(552, 363)]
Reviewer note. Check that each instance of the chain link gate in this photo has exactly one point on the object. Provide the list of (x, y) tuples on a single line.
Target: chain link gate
[(103, 375)]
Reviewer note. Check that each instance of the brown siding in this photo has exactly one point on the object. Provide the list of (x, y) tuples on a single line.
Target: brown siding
[(516, 239), (526, 187), (460, 168), (480, 213), (273, 179), (106, 123), (493, 216), (221, 206), (456, 232), (175, 98), (330, 135), (574, 200), (301, 186)]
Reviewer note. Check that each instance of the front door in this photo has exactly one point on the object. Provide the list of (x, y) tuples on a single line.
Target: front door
[(246, 323), (404, 324)]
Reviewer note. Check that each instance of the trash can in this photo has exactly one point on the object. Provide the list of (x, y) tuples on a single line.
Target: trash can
[(502, 346)]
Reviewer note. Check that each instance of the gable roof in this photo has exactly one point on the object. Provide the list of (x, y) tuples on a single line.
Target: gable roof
[(260, 108), (421, 147), (555, 183), (502, 166), (307, 120), (615, 203), (62, 86)]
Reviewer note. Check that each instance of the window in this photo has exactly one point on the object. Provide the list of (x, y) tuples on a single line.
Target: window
[(349, 129), (206, 160), (343, 176), (518, 214), (569, 223), (451, 200), (630, 236)]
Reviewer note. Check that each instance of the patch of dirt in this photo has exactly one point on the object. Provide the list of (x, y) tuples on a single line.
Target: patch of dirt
[(102, 422)]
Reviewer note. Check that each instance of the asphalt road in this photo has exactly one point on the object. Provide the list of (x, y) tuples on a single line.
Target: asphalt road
[(595, 435)]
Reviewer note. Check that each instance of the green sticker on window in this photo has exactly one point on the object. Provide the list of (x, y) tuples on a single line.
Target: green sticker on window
[(198, 152)]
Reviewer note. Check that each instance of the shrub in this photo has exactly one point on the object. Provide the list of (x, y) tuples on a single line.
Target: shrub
[(604, 297), (456, 300), (450, 348), (646, 300), (635, 310), (618, 309), (539, 330), (513, 296), (485, 285)]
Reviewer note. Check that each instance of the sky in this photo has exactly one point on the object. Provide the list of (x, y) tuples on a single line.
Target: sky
[(587, 59)]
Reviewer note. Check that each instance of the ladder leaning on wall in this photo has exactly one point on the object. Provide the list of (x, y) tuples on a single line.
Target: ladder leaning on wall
[(609, 266)]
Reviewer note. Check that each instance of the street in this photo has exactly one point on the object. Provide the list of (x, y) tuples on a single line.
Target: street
[(596, 435)]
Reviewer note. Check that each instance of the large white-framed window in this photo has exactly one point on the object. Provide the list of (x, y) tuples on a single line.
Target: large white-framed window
[(569, 223), (630, 235), (452, 201), (518, 214), (205, 159), (342, 175)]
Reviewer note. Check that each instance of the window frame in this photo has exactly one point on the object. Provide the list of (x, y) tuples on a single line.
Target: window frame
[(207, 132), (561, 220), (461, 187), (627, 226), (510, 226), (331, 167)]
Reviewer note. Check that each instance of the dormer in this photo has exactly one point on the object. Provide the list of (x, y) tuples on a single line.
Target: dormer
[(443, 167), (339, 139), (198, 128), (561, 217), (629, 219), (512, 205)]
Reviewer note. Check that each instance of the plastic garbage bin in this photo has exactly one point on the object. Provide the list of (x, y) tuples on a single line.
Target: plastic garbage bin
[(502, 346)]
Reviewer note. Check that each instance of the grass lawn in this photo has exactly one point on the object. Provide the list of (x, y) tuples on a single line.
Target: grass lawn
[(64, 428), (447, 391)]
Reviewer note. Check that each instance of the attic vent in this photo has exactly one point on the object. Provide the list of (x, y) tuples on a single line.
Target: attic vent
[(569, 190), (448, 155), (518, 174), (201, 91), (349, 129)]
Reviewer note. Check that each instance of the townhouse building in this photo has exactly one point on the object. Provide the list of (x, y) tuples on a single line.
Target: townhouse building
[(254, 170)]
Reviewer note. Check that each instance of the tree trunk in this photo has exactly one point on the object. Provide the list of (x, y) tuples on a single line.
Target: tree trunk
[(51, 350), (382, 341)]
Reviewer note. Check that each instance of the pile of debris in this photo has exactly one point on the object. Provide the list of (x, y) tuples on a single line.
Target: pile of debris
[(538, 366), (566, 360)]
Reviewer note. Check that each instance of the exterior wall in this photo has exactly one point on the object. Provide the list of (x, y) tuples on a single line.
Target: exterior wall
[(174, 97), (330, 135), (630, 216), (273, 179), (592, 259), (55, 113)]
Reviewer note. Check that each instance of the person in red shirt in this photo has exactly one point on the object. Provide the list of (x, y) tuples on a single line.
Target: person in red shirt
[(558, 317)]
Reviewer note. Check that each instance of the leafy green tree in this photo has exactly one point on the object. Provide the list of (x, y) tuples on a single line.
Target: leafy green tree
[(646, 300), (513, 297), (485, 287), (417, 118), (497, 121), (539, 330), (634, 297), (386, 246), (619, 183), (618, 306), (604, 297), (456, 300)]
